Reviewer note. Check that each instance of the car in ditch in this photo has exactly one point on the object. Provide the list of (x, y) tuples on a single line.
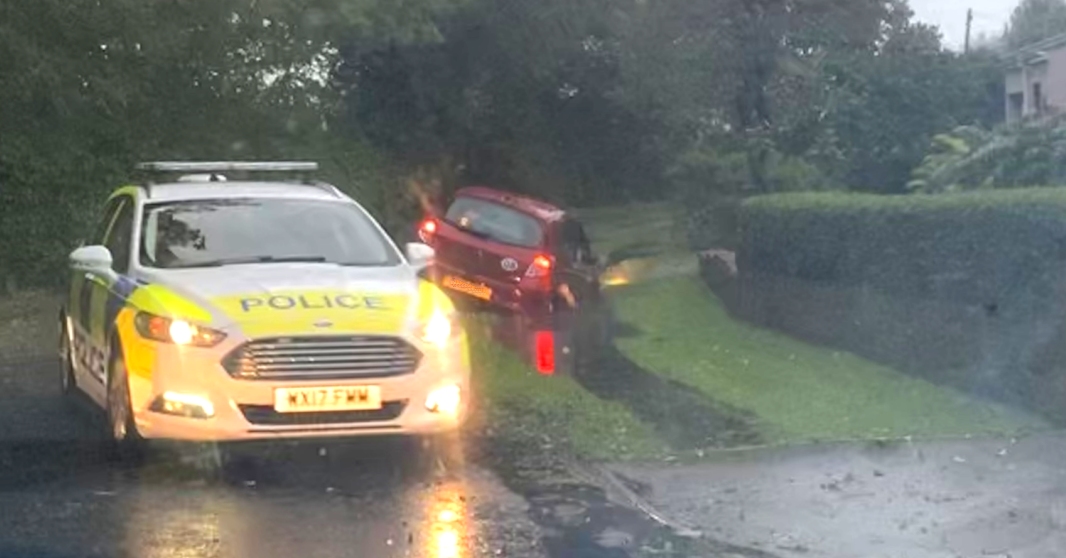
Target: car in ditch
[(528, 258)]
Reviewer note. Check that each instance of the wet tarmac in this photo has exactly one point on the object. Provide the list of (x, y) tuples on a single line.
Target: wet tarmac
[(948, 499), (61, 496)]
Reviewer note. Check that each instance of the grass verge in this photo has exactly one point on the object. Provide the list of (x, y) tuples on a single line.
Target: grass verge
[(800, 392), (518, 404), (637, 230)]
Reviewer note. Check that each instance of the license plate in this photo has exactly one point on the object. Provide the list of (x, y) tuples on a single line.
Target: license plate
[(339, 398), (462, 285)]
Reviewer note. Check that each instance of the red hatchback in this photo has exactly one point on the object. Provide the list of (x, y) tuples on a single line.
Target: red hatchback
[(512, 252)]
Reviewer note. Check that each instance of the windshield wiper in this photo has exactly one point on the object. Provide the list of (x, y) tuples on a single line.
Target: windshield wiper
[(480, 234), (252, 260)]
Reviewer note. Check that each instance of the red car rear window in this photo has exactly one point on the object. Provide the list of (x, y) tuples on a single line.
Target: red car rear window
[(495, 222)]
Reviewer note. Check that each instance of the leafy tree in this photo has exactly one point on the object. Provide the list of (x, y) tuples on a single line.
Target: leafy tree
[(88, 87), (1034, 20), (894, 104), (522, 95)]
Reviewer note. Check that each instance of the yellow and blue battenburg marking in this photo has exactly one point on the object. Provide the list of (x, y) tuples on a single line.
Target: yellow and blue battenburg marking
[(119, 292)]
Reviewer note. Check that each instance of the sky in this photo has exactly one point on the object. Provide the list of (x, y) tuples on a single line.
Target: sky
[(989, 16)]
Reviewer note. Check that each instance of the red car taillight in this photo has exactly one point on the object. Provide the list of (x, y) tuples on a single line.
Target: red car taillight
[(427, 230), (541, 266)]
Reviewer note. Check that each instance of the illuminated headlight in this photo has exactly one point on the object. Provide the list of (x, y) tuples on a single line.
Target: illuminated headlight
[(178, 332), (439, 328), (445, 400), (183, 405)]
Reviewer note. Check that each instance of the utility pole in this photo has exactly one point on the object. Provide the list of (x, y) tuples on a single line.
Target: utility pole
[(969, 22)]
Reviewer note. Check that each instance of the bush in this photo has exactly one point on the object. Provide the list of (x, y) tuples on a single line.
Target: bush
[(712, 183), (967, 289), (972, 158)]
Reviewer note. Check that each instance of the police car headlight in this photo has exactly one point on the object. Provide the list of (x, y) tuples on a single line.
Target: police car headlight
[(178, 332), (439, 329)]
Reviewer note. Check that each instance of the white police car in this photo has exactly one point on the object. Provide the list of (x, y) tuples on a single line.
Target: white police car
[(209, 309)]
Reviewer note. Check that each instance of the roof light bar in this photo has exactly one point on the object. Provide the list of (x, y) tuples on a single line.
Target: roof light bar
[(228, 166)]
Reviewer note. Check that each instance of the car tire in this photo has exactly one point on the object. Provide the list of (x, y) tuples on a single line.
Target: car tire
[(125, 441)]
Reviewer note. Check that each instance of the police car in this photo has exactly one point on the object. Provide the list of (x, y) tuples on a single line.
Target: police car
[(207, 309)]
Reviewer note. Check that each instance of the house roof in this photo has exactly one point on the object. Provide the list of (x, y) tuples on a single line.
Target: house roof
[(1035, 52)]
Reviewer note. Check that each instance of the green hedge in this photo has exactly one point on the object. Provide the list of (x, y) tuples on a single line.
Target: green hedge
[(968, 289)]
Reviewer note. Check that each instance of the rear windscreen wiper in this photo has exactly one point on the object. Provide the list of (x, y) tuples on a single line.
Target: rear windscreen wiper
[(480, 234)]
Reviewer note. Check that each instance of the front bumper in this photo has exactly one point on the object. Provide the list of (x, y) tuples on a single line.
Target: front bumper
[(244, 409)]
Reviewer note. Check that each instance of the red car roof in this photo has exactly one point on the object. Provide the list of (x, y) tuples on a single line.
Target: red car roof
[(537, 208)]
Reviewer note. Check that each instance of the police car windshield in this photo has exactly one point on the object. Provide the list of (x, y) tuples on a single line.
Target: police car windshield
[(495, 222), (211, 233)]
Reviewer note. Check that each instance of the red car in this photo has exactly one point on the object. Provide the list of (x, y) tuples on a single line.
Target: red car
[(515, 253)]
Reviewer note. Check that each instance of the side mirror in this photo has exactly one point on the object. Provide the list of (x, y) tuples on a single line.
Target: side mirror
[(419, 255), (91, 258)]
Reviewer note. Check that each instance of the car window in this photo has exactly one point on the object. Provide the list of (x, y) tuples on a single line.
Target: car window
[(120, 237), (219, 231), (495, 222), (106, 218)]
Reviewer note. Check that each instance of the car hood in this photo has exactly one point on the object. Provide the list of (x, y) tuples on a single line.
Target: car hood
[(294, 299)]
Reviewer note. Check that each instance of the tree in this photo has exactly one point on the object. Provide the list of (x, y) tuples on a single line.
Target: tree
[(1034, 20), (520, 95), (87, 88)]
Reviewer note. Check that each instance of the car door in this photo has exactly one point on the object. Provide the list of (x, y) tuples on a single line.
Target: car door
[(79, 300), (576, 264), (109, 294), (98, 295)]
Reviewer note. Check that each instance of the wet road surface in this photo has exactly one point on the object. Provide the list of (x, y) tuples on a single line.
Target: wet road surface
[(964, 498), (61, 497)]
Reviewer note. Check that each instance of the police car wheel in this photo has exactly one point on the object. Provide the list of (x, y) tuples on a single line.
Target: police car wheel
[(121, 426)]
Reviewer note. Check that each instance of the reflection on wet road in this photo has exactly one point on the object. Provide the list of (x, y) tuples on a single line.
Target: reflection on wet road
[(60, 497)]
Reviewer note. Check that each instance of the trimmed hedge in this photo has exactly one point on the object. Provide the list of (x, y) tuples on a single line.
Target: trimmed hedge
[(966, 289)]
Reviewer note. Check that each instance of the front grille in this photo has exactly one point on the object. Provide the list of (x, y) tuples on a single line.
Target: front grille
[(322, 358), (266, 415)]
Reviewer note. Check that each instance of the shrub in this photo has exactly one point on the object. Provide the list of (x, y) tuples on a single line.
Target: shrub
[(711, 184), (967, 289), (971, 158)]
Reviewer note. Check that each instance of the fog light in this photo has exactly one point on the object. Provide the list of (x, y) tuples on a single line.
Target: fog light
[(183, 405), (444, 400)]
